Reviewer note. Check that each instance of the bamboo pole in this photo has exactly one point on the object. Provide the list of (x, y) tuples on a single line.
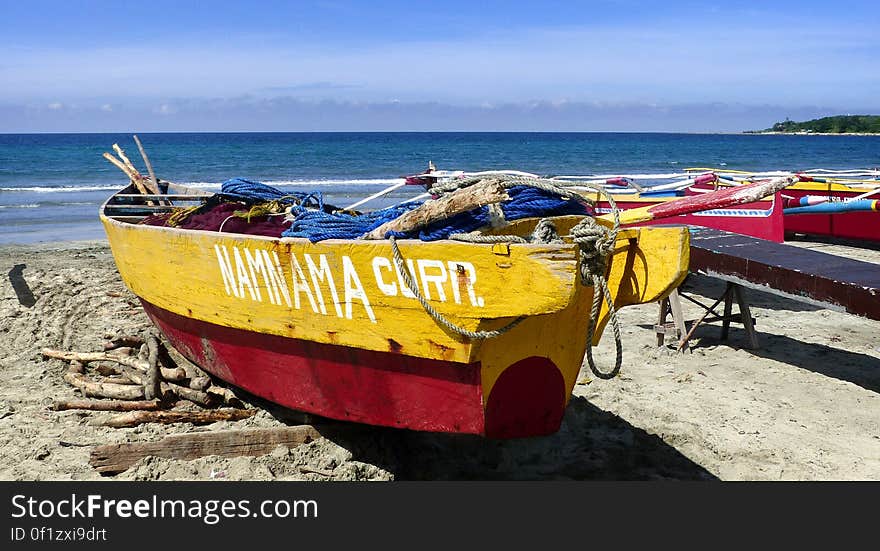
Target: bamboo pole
[(155, 183), (119, 151), (713, 200)]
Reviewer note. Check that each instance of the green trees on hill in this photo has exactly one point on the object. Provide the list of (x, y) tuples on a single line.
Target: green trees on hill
[(839, 124)]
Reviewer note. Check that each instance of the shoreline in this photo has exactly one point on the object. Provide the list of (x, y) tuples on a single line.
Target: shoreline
[(801, 407), (771, 133), (331, 132)]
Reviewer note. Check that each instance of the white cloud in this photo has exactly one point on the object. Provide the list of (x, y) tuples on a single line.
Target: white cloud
[(55, 106)]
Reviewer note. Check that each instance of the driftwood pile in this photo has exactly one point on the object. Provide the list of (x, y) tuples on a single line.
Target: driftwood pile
[(145, 379), (140, 377)]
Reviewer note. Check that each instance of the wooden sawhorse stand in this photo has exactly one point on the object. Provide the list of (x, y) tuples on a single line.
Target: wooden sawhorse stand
[(678, 326)]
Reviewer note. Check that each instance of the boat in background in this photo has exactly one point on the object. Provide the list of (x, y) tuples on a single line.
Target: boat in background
[(838, 204), (762, 218)]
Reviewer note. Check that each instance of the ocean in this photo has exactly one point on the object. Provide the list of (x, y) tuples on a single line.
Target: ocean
[(51, 185)]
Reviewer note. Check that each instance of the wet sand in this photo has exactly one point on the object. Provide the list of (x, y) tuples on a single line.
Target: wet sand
[(804, 406)]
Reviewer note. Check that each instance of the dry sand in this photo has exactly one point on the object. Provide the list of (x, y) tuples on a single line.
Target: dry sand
[(805, 406)]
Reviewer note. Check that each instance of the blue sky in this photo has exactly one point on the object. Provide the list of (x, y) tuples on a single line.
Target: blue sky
[(406, 65)]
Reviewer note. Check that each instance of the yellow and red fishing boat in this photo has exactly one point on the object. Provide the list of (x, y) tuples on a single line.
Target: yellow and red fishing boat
[(485, 336)]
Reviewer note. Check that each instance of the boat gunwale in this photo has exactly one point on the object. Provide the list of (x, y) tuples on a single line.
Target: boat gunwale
[(292, 240)]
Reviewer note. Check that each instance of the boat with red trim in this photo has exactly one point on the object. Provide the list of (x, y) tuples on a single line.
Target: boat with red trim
[(452, 336)]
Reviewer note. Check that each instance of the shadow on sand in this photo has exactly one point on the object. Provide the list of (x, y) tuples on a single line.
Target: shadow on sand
[(20, 286), (592, 444), (857, 368)]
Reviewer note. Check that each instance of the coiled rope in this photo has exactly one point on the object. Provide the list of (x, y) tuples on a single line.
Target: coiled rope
[(595, 243)]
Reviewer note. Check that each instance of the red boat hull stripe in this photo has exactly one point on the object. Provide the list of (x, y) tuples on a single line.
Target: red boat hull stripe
[(379, 388)]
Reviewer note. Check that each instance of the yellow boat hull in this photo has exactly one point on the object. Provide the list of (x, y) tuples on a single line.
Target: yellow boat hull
[(330, 328)]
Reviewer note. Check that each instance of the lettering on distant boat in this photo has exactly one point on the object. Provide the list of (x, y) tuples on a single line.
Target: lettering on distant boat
[(334, 285)]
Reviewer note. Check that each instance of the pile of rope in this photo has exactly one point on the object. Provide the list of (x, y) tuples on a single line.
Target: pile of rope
[(263, 199), (526, 201), (317, 225)]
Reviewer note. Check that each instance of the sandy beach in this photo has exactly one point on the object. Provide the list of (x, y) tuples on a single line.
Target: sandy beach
[(804, 406)]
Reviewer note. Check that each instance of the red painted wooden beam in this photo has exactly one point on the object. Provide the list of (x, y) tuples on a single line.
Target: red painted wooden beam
[(827, 280)]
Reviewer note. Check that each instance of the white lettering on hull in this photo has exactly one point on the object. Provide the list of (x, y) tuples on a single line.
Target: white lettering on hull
[(258, 274)]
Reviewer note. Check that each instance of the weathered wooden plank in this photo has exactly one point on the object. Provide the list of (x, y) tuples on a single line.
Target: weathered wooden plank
[(115, 458), (819, 278)]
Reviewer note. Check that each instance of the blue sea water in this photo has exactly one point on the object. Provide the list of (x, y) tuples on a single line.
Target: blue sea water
[(51, 185)]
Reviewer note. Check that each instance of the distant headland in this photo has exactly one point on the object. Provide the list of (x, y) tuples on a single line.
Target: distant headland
[(838, 124)]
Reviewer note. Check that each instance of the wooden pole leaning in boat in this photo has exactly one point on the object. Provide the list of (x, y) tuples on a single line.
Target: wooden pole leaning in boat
[(129, 170), (133, 176), (154, 183), (713, 200), (484, 193), (119, 151)]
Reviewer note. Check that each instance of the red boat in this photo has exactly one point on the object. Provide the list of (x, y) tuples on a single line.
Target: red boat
[(823, 203)]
